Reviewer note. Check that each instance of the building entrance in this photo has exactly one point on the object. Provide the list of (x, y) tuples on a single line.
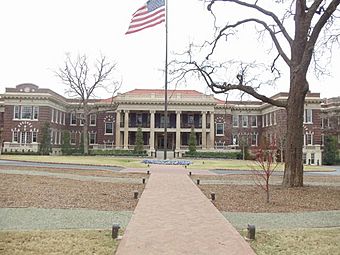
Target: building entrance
[(160, 141)]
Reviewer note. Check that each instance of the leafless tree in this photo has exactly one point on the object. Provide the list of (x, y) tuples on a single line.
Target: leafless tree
[(303, 33), (82, 82)]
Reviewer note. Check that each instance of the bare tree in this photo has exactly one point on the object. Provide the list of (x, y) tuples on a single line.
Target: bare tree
[(303, 43), (83, 82), (265, 165)]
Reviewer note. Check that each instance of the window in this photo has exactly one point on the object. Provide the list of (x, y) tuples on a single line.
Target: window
[(304, 158), (267, 119), (73, 138), (254, 139), (23, 138), (235, 120), (35, 112), (34, 137), (93, 119), (312, 158), (253, 121), (139, 119), (15, 137), (16, 112), (92, 138), (309, 139), (59, 137), (82, 119), (219, 128), (73, 120), (190, 119), (244, 121), (308, 116), (55, 137), (322, 139), (108, 127), (235, 139), (168, 121), (26, 112)]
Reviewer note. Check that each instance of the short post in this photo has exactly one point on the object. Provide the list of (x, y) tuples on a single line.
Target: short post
[(251, 232), (185, 166), (148, 172), (143, 180), (213, 196), (135, 194), (198, 181), (190, 173), (115, 229)]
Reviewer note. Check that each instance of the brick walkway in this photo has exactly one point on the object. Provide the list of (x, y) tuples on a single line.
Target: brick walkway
[(174, 217)]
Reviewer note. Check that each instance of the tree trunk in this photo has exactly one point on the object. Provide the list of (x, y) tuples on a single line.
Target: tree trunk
[(293, 174)]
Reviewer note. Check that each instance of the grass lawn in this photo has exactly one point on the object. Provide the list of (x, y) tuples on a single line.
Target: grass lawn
[(297, 241), (57, 242), (90, 160), (232, 164), (205, 164)]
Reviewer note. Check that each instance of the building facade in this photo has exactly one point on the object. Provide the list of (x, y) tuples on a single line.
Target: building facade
[(218, 125)]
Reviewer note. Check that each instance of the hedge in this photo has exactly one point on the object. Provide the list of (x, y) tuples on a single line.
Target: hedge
[(118, 153), (210, 154)]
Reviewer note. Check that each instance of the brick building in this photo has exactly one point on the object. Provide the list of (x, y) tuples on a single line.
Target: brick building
[(218, 125)]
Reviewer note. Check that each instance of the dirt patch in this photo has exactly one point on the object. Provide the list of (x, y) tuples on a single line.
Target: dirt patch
[(50, 192), (251, 198)]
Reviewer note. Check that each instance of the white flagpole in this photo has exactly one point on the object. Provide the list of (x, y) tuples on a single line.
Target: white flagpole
[(166, 83)]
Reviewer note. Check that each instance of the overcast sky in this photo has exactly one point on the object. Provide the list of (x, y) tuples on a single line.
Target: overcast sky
[(36, 34)]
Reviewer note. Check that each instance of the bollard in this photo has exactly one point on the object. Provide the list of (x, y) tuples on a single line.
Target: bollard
[(198, 181), (143, 180), (148, 172), (185, 166), (190, 173), (115, 229), (251, 232), (213, 196), (135, 194)]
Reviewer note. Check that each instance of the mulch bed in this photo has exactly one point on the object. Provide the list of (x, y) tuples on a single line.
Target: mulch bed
[(50, 192), (251, 198)]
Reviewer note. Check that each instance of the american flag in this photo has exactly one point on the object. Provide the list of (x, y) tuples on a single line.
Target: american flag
[(149, 15)]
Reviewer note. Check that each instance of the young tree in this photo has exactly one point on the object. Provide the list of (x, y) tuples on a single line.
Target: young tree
[(300, 31), (139, 146), (83, 82), (45, 143), (330, 150), (265, 165), (192, 141), (66, 145)]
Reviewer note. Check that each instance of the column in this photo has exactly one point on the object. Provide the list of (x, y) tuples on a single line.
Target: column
[(178, 130), (204, 130), (126, 129), (117, 130), (212, 130), (152, 130)]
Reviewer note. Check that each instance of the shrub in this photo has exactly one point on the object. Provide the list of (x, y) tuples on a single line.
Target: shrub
[(211, 154), (118, 153)]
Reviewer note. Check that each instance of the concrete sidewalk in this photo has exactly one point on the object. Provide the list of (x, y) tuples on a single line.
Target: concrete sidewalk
[(174, 217)]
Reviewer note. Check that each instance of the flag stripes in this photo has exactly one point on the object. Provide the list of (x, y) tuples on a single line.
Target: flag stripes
[(149, 15)]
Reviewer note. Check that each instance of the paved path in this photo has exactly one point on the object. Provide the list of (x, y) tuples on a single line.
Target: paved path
[(174, 217)]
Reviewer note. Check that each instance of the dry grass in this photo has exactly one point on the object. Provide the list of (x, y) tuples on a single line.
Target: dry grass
[(57, 242), (50, 192), (297, 241), (101, 173)]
